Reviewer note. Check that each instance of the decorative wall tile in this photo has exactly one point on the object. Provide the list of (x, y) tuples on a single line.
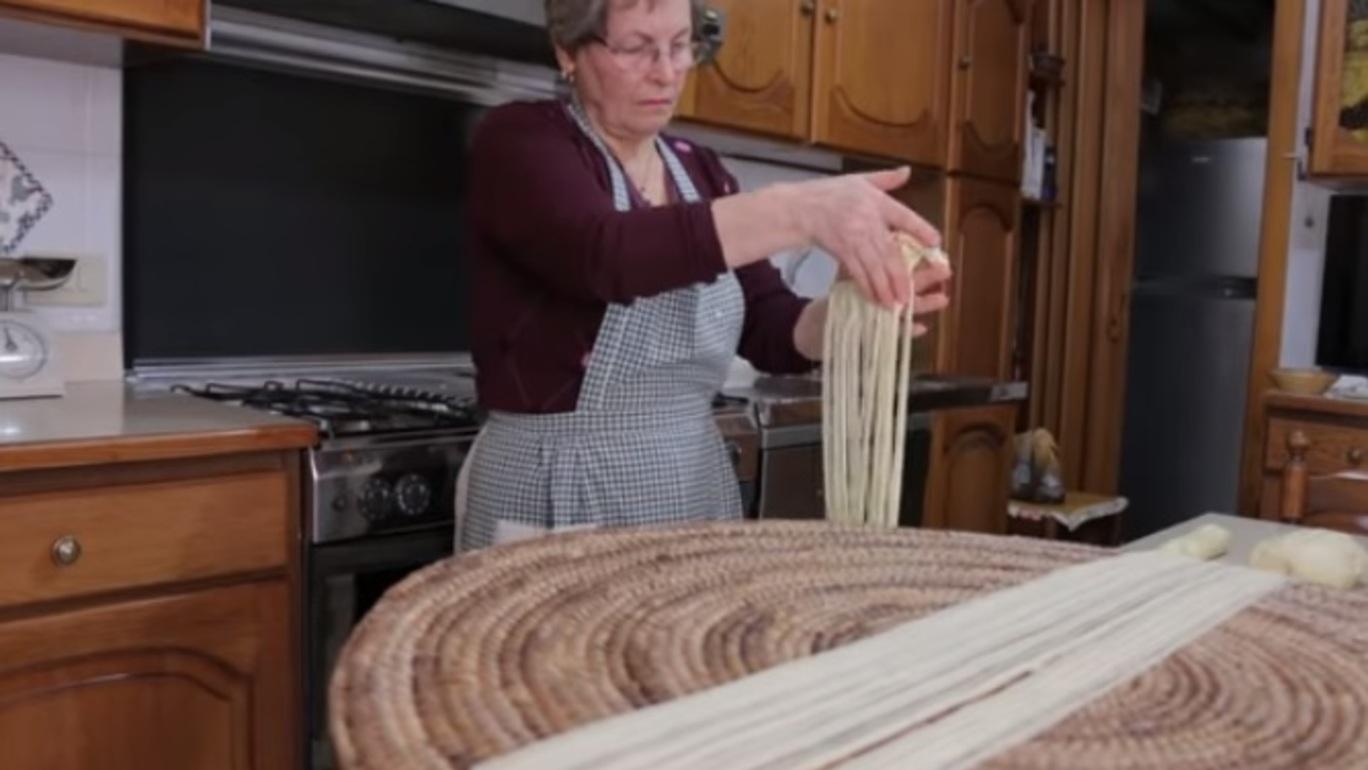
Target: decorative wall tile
[(23, 201)]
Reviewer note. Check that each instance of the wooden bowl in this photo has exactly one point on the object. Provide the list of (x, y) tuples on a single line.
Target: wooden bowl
[(1305, 382)]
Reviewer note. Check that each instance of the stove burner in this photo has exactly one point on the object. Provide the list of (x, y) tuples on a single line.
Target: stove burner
[(349, 409)]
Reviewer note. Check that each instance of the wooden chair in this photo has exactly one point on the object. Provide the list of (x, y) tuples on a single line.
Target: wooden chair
[(1335, 501)]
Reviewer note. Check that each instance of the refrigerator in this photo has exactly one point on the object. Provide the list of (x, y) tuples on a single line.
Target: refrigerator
[(1191, 327)]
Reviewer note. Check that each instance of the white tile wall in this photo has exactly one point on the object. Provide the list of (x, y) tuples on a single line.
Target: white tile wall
[(65, 122)]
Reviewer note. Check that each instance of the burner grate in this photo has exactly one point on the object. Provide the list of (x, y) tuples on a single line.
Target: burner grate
[(347, 409)]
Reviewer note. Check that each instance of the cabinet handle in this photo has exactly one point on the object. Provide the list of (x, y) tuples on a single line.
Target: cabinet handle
[(65, 551), (809, 7), (1356, 456), (833, 15), (966, 62)]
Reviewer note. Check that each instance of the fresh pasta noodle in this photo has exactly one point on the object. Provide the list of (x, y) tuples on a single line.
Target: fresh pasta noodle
[(866, 368)]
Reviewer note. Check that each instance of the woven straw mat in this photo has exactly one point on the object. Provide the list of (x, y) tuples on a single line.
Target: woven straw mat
[(475, 656)]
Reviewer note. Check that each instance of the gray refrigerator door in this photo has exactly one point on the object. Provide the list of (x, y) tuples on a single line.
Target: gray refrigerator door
[(1185, 399), (1200, 206)]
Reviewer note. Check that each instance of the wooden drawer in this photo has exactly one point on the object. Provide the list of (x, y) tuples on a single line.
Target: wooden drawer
[(142, 534), (1334, 448)]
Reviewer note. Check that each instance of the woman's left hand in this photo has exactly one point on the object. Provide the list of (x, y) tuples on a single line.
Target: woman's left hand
[(930, 286)]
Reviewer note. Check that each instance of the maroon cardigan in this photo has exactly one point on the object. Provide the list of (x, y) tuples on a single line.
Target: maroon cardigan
[(549, 252)]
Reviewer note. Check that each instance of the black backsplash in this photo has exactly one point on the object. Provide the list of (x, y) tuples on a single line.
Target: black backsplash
[(274, 214)]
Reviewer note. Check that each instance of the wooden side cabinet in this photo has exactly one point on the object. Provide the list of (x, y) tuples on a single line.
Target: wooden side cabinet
[(1339, 143), (968, 480), (1327, 437), (175, 22), (149, 616)]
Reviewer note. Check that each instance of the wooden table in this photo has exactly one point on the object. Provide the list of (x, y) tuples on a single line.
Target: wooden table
[(1081, 517), (1245, 533)]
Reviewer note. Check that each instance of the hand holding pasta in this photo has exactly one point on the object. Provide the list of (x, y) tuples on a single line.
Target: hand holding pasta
[(865, 375)]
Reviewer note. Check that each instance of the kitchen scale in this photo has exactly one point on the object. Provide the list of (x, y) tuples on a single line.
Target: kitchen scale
[(28, 352)]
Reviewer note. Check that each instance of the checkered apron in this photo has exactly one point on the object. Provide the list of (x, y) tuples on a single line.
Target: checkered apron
[(641, 446)]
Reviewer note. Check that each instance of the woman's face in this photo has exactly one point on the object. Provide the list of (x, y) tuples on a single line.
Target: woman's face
[(631, 80)]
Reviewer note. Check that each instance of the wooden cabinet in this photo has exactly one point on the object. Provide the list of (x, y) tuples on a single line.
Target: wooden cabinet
[(148, 615), (990, 58), (882, 78), (762, 78), (1339, 145), (976, 332), (178, 22), (970, 468), (1335, 436)]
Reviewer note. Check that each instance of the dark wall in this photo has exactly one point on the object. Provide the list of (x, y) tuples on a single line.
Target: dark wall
[(274, 214)]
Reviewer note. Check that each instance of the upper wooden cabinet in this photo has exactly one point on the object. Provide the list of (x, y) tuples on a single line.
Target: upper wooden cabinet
[(939, 83), (761, 80), (1339, 145), (882, 80), (177, 22), (992, 37)]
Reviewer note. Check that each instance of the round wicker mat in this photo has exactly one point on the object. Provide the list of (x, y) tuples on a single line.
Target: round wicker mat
[(477, 656)]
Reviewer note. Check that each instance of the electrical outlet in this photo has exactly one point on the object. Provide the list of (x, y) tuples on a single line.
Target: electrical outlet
[(87, 287)]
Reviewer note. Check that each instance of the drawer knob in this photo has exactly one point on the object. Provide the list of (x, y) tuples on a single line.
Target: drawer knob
[(1356, 456), (65, 551), (833, 15)]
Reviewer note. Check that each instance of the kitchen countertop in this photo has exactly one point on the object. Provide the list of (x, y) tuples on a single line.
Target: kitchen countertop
[(788, 408), (1325, 404), (1245, 533), (105, 422)]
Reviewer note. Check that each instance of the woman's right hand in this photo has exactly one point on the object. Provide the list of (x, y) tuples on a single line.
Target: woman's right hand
[(854, 219)]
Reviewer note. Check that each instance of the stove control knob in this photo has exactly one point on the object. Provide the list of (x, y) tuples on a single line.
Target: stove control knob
[(377, 497), (415, 495)]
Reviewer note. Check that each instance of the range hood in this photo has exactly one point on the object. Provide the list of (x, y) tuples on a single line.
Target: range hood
[(505, 29)]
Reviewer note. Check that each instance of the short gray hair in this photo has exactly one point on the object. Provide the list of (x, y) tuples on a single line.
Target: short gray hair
[(574, 24)]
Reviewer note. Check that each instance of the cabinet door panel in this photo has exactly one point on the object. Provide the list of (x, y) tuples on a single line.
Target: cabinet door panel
[(199, 680), (990, 85), (882, 77), (762, 78), (158, 19), (982, 237), (971, 462)]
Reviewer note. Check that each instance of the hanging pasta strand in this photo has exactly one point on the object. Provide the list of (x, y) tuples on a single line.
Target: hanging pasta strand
[(866, 372)]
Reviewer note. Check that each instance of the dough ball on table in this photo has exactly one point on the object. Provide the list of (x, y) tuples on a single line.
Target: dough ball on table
[(1318, 556), (1206, 542)]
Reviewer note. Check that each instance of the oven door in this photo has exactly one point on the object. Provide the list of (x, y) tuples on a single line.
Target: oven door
[(345, 581)]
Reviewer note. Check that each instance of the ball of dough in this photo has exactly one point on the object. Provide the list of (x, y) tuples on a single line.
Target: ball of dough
[(1318, 556), (1206, 542)]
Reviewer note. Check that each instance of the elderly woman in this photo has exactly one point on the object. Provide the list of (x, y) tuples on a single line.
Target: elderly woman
[(617, 272)]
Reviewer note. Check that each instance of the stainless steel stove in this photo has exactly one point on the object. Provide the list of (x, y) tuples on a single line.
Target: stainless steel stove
[(378, 487), (389, 453)]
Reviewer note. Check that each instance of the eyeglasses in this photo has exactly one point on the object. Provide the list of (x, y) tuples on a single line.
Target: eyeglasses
[(641, 57)]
